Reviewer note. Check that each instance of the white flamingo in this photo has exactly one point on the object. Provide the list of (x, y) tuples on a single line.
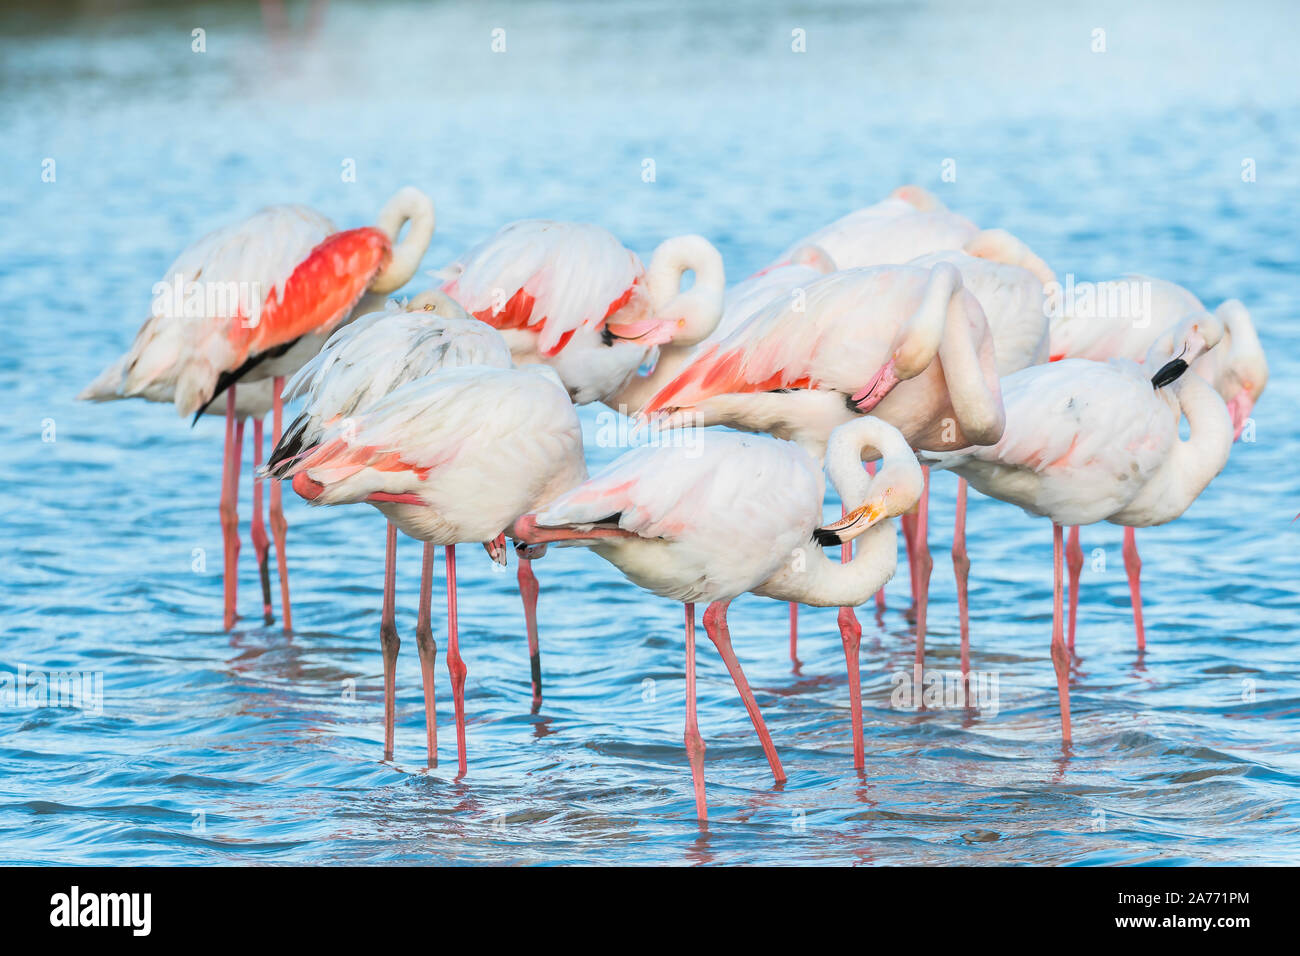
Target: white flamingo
[(1012, 286), (1090, 441), (449, 458), (1237, 368), (571, 296), (359, 366), (717, 514), (252, 302), (907, 344)]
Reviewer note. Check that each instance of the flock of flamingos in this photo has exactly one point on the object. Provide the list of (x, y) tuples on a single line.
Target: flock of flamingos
[(901, 336)]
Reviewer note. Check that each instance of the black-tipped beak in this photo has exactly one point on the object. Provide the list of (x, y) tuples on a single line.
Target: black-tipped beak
[(1168, 373), (827, 539)]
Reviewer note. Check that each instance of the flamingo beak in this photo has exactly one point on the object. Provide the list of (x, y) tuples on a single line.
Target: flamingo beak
[(851, 525), (881, 384)]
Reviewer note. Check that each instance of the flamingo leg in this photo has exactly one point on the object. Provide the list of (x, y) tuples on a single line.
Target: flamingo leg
[(880, 594), (924, 564), (428, 654), (455, 664), (851, 638), (1074, 564), (1060, 656), (794, 634), (908, 524), (961, 569), (230, 514), (257, 529), (1133, 565), (694, 742), (715, 625), (278, 525), (388, 640), (528, 590)]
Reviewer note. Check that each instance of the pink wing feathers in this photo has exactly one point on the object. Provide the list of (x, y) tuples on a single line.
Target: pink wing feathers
[(838, 337), (551, 278)]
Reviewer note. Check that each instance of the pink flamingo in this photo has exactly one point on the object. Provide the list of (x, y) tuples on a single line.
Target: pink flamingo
[(909, 345), (1237, 368), (1012, 286), (449, 458), (713, 515), (571, 296), (1090, 441), (248, 303), (359, 366)]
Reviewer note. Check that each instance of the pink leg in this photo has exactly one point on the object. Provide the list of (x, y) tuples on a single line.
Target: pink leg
[(924, 564), (257, 530), (455, 664), (715, 625), (388, 640), (794, 634), (230, 513), (278, 526), (908, 524), (880, 595), (694, 742), (1133, 565), (851, 638), (528, 590), (961, 569), (428, 654), (1060, 656), (1074, 563)]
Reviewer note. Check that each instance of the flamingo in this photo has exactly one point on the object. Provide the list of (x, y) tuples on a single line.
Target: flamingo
[(1090, 441), (449, 458), (260, 297), (710, 518), (360, 365), (910, 222), (1237, 368), (1012, 286), (907, 344), (571, 296)]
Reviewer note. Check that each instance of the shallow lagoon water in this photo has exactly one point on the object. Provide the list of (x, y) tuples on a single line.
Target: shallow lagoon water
[(254, 747)]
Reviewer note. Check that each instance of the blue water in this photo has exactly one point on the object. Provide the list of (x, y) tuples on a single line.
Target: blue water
[(248, 747)]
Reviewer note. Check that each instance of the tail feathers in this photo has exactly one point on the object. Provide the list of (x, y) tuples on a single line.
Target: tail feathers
[(107, 387), (288, 450)]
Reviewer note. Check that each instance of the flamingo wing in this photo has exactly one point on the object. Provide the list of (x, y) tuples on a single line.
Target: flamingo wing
[(835, 338), (551, 278), (707, 486)]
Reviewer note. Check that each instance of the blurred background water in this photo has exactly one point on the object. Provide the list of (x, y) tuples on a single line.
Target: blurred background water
[(246, 747)]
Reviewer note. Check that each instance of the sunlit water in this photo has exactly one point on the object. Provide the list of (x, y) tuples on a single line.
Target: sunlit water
[(248, 747)]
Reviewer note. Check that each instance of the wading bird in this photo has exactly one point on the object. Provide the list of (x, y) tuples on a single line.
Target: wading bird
[(450, 458), (253, 301), (1125, 318), (571, 296), (1091, 441), (715, 515), (359, 366), (907, 344)]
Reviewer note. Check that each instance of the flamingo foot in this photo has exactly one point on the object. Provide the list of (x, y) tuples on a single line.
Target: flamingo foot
[(961, 570), (279, 528), (230, 514), (388, 640), (257, 529)]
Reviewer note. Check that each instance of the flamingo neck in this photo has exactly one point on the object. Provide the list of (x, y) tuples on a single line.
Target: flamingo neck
[(411, 208), (697, 311)]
